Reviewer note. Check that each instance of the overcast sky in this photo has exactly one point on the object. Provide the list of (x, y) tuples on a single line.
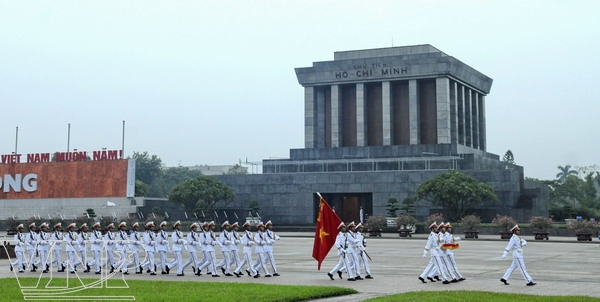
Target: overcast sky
[(213, 82)]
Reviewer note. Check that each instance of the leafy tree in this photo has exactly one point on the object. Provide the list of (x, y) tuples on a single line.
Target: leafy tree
[(141, 189), (392, 206), (169, 178), (564, 173), (253, 205), (90, 212), (147, 168), (206, 193), (509, 157), (238, 170), (457, 193), (409, 205)]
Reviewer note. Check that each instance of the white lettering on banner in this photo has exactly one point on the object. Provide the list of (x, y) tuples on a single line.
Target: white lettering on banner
[(28, 183)]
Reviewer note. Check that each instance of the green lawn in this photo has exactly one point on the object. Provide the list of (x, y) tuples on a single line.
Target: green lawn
[(143, 290), (477, 296)]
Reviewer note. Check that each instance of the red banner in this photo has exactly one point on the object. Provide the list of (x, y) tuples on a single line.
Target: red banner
[(326, 232)]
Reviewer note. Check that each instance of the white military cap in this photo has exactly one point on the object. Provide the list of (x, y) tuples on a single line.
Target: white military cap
[(122, 224), (150, 224), (226, 223), (20, 226), (97, 224), (433, 225), (72, 225), (164, 223), (268, 223), (515, 228), (110, 226)]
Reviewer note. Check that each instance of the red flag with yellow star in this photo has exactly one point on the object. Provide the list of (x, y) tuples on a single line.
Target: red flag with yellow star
[(326, 232)]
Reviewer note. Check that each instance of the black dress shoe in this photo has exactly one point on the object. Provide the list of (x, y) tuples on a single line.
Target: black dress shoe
[(180, 275), (257, 275), (340, 274), (330, 276), (198, 273), (276, 274), (531, 283), (368, 277), (223, 270), (422, 280), (167, 269), (11, 269), (125, 273), (148, 271), (45, 271), (72, 272), (97, 273), (87, 267), (61, 270), (112, 269), (139, 273), (462, 279), (152, 274), (163, 273), (445, 282), (351, 279), (248, 272), (437, 278), (430, 279), (504, 281), (215, 275), (237, 274), (228, 275), (359, 278), (454, 280)]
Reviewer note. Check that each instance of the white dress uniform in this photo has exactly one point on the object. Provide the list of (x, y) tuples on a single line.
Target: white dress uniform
[(122, 243), (435, 262), (225, 241), (452, 267), (516, 244), (235, 254), (30, 243), (82, 242), (341, 244), (19, 242), (363, 259), (72, 246), (271, 239), (135, 243), (56, 240), (193, 243), (162, 247), (97, 243), (42, 247), (209, 241), (179, 243), (149, 241), (247, 241), (259, 248), (109, 240), (447, 265)]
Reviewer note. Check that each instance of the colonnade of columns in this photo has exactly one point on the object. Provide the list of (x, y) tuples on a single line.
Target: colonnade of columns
[(407, 112)]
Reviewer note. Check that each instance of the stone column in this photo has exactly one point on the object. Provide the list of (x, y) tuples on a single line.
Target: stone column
[(336, 130), (386, 96), (361, 126), (454, 112), (468, 118), (442, 96), (309, 117), (319, 118), (413, 109), (475, 119), (482, 133)]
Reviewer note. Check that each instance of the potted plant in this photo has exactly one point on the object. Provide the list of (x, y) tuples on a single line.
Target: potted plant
[(406, 225), (541, 225), (375, 224), (504, 223), (584, 229), (470, 223), (436, 217)]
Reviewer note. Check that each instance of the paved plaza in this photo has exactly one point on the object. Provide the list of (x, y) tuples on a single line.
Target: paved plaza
[(561, 266)]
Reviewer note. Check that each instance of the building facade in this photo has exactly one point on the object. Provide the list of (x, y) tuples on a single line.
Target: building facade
[(378, 123)]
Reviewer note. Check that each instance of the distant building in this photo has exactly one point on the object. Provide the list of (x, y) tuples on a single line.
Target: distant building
[(378, 123), (214, 169)]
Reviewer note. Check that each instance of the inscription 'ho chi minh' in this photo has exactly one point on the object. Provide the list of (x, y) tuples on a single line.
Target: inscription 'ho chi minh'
[(368, 73)]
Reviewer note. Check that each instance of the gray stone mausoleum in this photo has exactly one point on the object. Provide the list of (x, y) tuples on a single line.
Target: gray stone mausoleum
[(378, 123)]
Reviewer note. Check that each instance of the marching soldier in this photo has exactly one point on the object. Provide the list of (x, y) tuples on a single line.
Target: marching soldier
[(449, 239), (208, 243), (122, 242), (271, 239), (235, 255), (96, 240), (261, 241), (341, 243), (435, 263), (162, 247), (149, 241), (351, 250), (516, 244), (179, 242), (57, 239), (31, 244), (72, 246), (109, 238), (363, 258), (19, 242), (225, 241), (443, 256), (42, 247), (193, 242), (82, 241), (135, 242), (247, 241)]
